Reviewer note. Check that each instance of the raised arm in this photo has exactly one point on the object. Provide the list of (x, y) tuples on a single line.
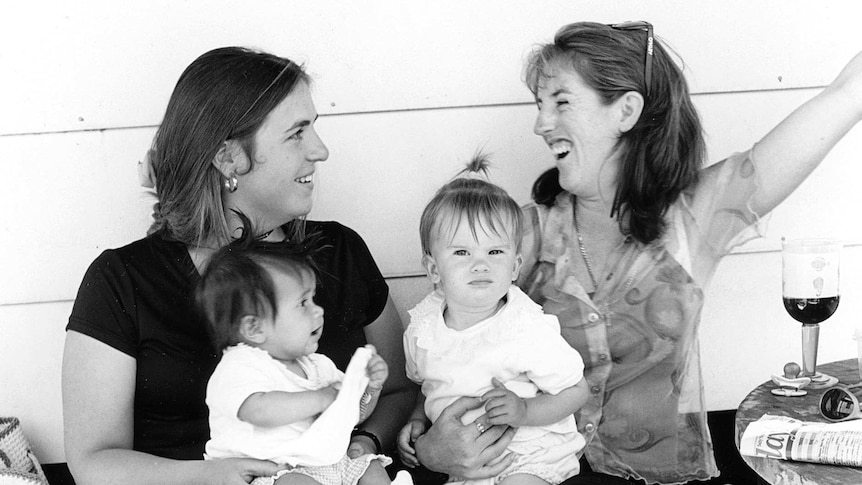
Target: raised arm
[(98, 410), (794, 148)]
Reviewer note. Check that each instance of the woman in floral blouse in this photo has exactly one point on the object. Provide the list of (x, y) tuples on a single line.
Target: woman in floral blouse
[(626, 232)]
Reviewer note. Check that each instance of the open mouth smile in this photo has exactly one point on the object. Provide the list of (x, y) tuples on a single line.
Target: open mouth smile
[(561, 149)]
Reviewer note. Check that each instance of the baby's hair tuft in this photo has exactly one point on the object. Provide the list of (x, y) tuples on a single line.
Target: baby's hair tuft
[(470, 195), (477, 167)]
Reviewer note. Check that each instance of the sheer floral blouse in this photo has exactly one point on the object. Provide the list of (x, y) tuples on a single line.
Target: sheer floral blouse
[(637, 333)]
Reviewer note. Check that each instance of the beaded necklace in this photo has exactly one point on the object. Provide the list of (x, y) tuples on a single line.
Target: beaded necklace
[(587, 261)]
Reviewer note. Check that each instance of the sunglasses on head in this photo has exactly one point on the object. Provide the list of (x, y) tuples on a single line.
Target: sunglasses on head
[(647, 27), (840, 404)]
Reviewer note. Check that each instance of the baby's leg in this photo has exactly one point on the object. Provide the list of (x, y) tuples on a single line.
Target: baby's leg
[(522, 479), (295, 479), (375, 474)]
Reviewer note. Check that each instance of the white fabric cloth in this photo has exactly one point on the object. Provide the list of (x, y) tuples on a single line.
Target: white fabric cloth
[(520, 346), (245, 370)]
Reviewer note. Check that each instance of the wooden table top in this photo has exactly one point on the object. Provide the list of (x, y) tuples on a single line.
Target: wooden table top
[(806, 408)]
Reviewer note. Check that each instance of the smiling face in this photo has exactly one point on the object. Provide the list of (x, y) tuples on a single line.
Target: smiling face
[(279, 187), (474, 272), (581, 131), (297, 325)]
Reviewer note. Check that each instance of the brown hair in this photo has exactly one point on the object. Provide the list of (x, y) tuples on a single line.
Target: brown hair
[(662, 154), (224, 94)]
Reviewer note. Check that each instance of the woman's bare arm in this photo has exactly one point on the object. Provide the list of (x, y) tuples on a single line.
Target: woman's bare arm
[(797, 145), (98, 400)]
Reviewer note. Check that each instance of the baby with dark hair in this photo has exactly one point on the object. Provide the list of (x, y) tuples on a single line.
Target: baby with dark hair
[(272, 397)]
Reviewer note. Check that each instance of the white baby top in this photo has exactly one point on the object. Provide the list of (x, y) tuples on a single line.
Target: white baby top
[(520, 345), (245, 370)]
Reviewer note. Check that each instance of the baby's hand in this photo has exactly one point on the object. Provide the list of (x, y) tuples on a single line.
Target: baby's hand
[(406, 437), (503, 406), (356, 449), (377, 370)]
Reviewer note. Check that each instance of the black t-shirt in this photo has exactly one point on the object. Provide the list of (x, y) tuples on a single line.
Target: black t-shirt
[(138, 299)]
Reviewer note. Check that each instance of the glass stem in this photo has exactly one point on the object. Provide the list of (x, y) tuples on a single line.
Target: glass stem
[(810, 336)]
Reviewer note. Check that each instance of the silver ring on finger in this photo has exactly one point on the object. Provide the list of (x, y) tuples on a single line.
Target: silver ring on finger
[(480, 427)]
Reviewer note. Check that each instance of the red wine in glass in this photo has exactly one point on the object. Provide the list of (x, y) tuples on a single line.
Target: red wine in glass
[(810, 311), (809, 282)]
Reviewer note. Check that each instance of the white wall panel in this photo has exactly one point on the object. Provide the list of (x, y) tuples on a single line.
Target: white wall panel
[(104, 64), (384, 168), (69, 196), (31, 357)]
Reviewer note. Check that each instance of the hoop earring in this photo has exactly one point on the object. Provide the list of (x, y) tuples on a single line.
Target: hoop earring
[(231, 183)]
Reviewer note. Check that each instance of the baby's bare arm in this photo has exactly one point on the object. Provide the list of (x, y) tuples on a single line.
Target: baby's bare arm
[(503, 406), (278, 408)]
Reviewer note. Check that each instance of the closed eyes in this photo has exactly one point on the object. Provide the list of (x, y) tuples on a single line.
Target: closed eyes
[(297, 136)]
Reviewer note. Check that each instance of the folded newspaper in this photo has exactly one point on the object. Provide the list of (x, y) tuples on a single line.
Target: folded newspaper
[(786, 438)]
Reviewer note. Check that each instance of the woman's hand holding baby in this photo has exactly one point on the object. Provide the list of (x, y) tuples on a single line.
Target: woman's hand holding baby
[(458, 449)]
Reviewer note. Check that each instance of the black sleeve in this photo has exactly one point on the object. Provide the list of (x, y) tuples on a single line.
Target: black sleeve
[(352, 291), (104, 303)]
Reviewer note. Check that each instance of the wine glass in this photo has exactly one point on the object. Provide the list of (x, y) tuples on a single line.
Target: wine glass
[(809, 287)]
